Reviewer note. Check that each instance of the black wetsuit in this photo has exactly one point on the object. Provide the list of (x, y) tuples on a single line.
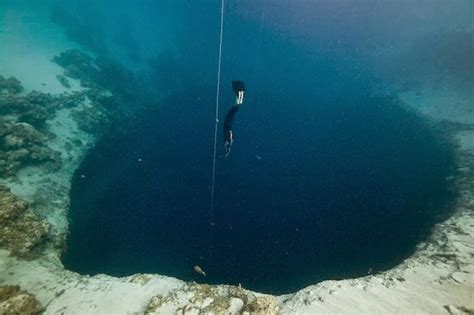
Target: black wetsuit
[(229, 119), (228, 137), (238, 87)]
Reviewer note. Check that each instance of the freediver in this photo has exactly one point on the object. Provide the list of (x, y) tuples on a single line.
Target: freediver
[(239, 90)]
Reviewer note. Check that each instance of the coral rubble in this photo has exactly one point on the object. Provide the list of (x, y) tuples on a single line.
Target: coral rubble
[(14, 301), (203, 298), (21, 231)]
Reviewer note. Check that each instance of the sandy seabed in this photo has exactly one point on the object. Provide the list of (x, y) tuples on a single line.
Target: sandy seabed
[(437, 279)]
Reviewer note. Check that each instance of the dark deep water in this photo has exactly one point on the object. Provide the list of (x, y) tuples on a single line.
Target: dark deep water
[(350, 184), (325, 179)]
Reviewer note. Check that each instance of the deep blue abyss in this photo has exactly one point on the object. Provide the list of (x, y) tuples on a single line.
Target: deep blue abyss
[(325, 179), (326, 189)]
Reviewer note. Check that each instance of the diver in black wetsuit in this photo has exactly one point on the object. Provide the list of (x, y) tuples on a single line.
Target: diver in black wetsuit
[(239, 90)]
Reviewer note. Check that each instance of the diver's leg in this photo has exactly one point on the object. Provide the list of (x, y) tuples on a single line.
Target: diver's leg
[(240, 98)]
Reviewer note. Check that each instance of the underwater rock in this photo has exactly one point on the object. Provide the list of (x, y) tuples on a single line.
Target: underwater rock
[(64, 82), (99, 74), (140, 278), (71, 99), (21, 231), (14, 301), (22, 144), (262, 305), (73, 57), (91, 119), (23, 128), (34, 107), (78, 65), (94, 118), (121, 81), (3, 127), (104, 97), (21, 134), (10, 86), (208, 299)]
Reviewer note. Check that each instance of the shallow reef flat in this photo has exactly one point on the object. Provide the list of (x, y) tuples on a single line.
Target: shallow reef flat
[(46, 133)]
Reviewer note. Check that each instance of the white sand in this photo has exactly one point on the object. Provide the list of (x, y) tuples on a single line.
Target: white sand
[(29, 40), (447, 103), (437, 279)]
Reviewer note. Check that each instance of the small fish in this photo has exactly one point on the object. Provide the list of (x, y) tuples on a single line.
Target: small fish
[(258, 157), (199, 270)]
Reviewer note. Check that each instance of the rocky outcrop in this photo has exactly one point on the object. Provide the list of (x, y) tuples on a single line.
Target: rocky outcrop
[(99, 73), (80, 66), (13, 301), (203, 298), (102, 106), (24, 132), (21, 231), (91, 119), (22, 144), (36, 107), (10, 85)]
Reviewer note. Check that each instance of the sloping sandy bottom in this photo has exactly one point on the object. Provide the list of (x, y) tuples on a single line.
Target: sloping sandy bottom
[(29, 41), (437, 279)]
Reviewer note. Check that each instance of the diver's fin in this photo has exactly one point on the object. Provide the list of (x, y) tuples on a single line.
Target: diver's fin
[(238, 86)]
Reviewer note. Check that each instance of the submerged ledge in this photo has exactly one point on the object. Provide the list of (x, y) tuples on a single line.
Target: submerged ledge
[(436, 279)]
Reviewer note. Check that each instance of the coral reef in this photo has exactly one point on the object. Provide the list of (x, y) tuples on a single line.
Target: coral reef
[(22, 144), (103, 107), (31, 134), (10, 85), (33, 108), (91, 119), (101, 74), (36, 107), (23, 128), (78, 65), (14, 301), (21, 231)]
